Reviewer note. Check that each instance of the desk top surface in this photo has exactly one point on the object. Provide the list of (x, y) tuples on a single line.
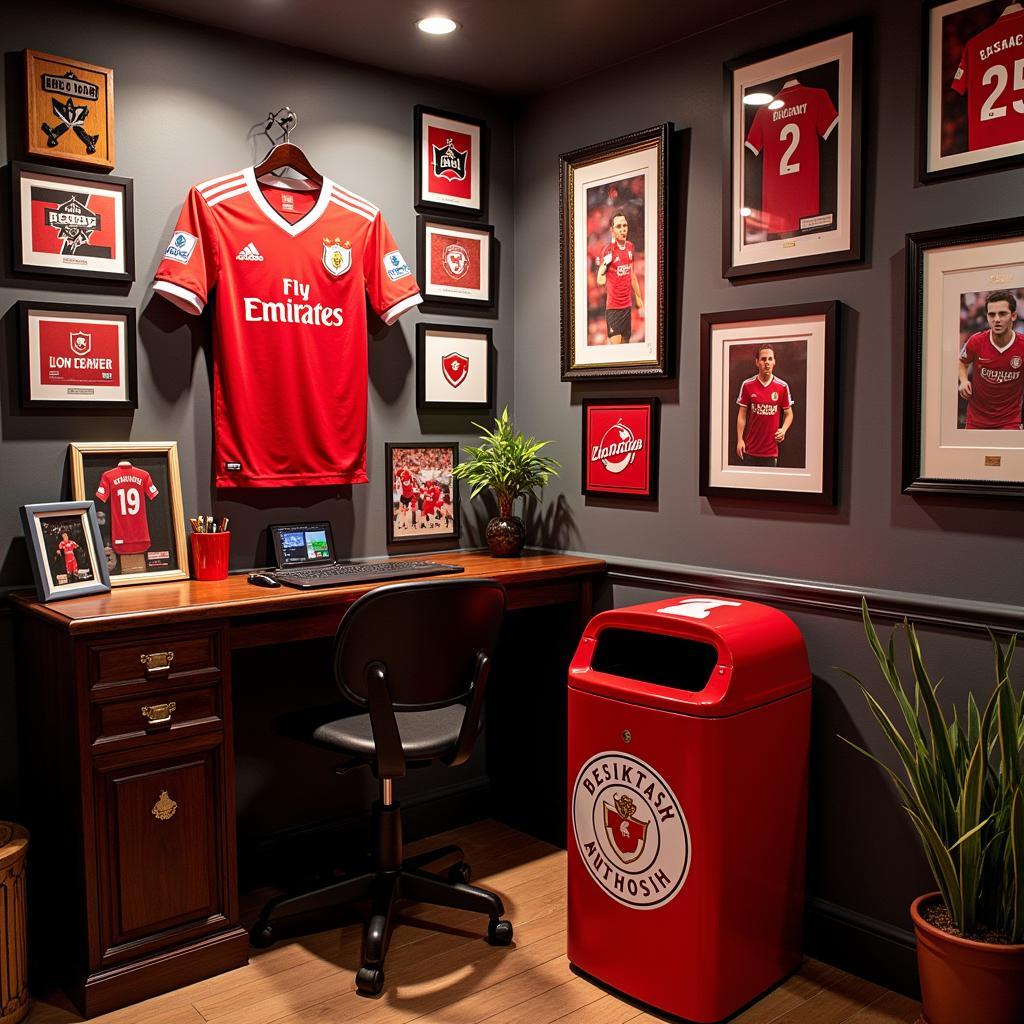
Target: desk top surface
[(188, 600)]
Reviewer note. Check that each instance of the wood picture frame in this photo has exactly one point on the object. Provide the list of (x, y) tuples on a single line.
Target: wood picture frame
[(451, 162), (613, 222), (423, 495), (65, 549), (620, 448), (454, 367)]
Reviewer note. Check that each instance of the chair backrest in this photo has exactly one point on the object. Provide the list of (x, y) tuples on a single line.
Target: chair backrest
[(427, 636)]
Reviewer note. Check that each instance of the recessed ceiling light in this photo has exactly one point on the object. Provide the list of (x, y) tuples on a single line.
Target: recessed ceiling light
[(437, 25), (757, 99)]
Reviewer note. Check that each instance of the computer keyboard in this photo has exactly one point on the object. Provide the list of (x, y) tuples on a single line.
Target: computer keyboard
[(340, 574)]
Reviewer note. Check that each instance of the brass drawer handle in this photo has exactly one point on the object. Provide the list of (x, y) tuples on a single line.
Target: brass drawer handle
[(164, 808), (157, 663), (159, 714)]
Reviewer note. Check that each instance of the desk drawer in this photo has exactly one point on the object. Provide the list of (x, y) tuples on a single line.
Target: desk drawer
[(154, 713), (155, 657)]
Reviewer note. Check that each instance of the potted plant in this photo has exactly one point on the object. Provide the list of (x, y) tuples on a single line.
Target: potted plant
[(961, 785), (511, 466)]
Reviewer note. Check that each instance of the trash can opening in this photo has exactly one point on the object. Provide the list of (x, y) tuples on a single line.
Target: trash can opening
[(673, 661)]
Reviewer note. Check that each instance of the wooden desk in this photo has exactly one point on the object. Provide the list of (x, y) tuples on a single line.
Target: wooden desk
[(126, 732)]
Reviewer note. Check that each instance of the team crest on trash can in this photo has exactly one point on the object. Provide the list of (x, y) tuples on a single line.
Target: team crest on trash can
[(630, 830), (455, 367), (337, 256), (81, 343)]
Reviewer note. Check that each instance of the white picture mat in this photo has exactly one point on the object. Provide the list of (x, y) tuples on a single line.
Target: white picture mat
[(426, 162), (434, 288), (471, 344), (61, 392), (46, 568)]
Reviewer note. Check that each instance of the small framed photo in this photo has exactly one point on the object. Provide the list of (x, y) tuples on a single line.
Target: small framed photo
[(137, 489), (768, 396), (620, 447), (450, 154), (72, 223), (972, 82), (965, 360), (70, 110), (456, 261), (453, 367), (613, 215), (793, 194), (77, 357), (424, 495), (65, 549)]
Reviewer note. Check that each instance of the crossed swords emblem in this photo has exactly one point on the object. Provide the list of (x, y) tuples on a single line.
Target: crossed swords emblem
[(71, 117)]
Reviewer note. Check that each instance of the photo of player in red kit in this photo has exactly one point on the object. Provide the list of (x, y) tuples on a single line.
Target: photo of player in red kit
[(68, 547), (615, 271), (421, 489), (991, 367), (765, 413)]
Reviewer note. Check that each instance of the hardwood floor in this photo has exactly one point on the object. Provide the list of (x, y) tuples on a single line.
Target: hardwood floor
[(440, 968)]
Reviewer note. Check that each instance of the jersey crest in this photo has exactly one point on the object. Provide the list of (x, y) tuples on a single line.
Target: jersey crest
[(337, 256), (455, 368), (456, 259), (81, 343)]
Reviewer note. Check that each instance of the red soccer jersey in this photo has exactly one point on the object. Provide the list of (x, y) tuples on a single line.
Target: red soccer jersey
[(291, 271), (764, 404), (991, 76), (70, 561), (124, 487), (788, 136), (619, 275), (405, 482), (997, 382)]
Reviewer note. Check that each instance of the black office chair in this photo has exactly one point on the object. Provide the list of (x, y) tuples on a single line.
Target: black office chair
[(417, 657)]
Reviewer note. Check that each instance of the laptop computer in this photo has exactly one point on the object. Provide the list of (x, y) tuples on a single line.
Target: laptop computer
[(306, 559)]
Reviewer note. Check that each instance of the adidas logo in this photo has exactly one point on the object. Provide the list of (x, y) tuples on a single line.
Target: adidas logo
[(250, 252)]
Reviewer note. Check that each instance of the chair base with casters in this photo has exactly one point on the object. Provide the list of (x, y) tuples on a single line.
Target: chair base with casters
[(417, 714)]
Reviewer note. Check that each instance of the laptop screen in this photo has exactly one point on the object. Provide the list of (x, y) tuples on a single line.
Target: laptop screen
[(302, 544)]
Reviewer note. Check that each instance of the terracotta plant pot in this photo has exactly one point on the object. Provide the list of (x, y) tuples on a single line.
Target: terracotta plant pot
[(506, 536), (966, 982)]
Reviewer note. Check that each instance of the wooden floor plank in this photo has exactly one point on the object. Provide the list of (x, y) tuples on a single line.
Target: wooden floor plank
[(889, 1008)]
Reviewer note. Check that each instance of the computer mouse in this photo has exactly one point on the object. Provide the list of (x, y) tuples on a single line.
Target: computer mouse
[(261, 579)]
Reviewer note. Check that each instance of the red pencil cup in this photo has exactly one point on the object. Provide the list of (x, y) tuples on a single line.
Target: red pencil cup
[(210, 555)]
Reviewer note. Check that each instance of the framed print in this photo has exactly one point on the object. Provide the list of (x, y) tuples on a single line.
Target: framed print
[(455, 261), (767, 400), (424, 495), (965, 360), (138, 494), (70, 110), (613, 217), (72, 223), (450, 172), (65, 549), (77, 357), (793, 192), (973, 79), (620, 447), (453, 367)]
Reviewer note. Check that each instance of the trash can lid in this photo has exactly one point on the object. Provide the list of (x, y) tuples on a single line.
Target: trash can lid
[(13, 841), (761, 655)]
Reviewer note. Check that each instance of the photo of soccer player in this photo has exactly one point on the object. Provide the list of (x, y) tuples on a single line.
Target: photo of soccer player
[(990, 376), (64, 545), (423, 494)]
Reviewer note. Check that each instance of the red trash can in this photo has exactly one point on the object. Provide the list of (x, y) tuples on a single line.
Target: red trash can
[(689, 730)]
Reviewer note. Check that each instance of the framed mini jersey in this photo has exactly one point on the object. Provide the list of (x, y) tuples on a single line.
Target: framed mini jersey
[(455, 262), (620, 448), (450, 171), (72, 223), (453, 367)]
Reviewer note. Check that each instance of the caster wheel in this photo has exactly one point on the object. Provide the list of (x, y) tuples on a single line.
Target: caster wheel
[(369, 981), (460, 873), (499, 933), (261, 935)]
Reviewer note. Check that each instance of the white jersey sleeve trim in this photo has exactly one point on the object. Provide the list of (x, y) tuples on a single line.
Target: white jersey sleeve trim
[(181, 297), (203, 185), (750, 146), (831, 128), (401, 307), (234, 182)]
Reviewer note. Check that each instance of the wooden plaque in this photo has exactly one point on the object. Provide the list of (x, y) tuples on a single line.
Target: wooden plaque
[(70, 110)]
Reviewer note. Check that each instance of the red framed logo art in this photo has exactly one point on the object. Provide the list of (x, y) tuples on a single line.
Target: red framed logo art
[(449, 161), (455, 261), (620, 447)]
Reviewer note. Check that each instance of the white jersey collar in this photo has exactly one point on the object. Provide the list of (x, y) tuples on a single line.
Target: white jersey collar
[(307, 220)]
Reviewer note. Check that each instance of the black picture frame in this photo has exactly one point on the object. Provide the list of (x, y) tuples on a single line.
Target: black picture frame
[(78, 520), (942, 453), (89, 266), (729, 341), (30, 346), (424, 198), (438, 292), (583, 185), (412, 528), (812, 244), (647, 492), (435, 391)]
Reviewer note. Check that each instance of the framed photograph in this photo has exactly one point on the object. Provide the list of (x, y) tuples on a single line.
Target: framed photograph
[(973, 76), (455, 261), (137, 490), (450, 172), (793, 192), (65, 549), (424, 496), (72, 223), (453, 367), (70, 110), (620, 447), (77, 357), (767, 400), (613, 217), (965, 360)]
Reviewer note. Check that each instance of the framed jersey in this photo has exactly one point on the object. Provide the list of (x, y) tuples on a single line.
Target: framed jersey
[(973, 83), (963, 431), (793, 194), (137, 490)]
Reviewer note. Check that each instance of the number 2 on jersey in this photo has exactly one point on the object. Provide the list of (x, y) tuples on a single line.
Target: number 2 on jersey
[(1000, 75), (791, 132)]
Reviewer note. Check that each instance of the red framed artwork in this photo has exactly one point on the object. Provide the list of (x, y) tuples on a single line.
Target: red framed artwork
[(455, 262), (620, 448), (449, 161)]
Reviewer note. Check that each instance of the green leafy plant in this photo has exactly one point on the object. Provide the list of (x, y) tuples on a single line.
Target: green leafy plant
[(961, 785), (508, 463)]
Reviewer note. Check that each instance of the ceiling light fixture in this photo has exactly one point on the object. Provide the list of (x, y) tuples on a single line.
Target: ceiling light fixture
[(437, 25), (757, 99)]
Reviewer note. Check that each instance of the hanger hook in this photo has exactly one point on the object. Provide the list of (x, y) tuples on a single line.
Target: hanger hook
[(286, 121)]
